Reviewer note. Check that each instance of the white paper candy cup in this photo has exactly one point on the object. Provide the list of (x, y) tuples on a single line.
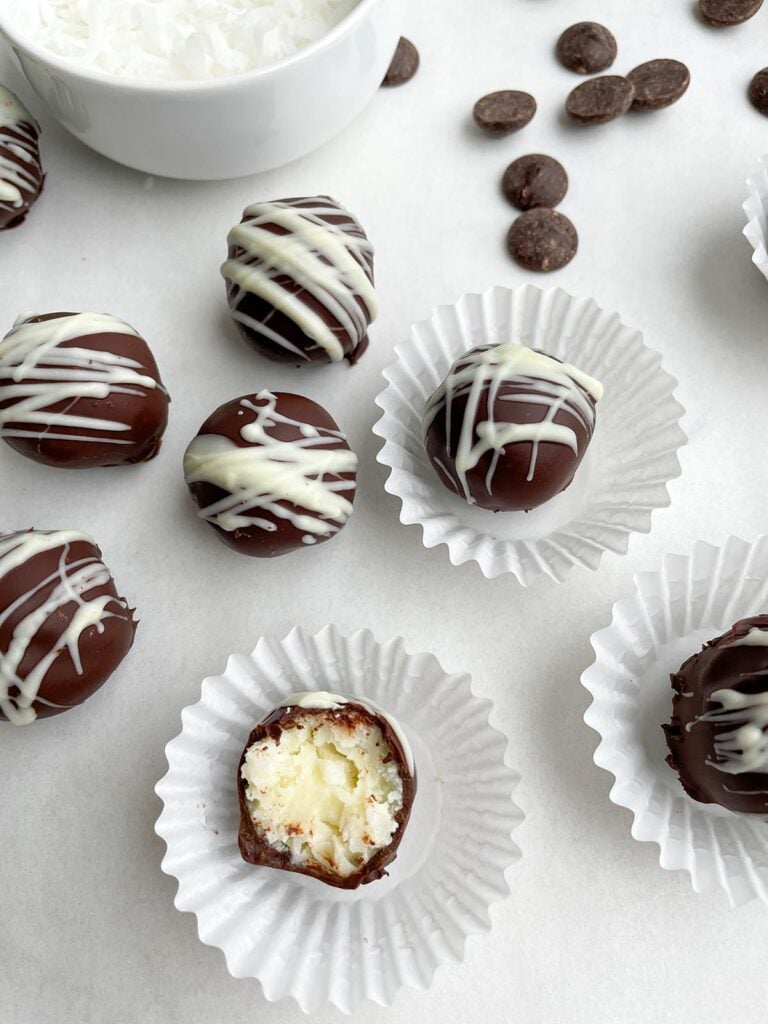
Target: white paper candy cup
[(756, 209), (623, 478), (299, 937), (670, 615)]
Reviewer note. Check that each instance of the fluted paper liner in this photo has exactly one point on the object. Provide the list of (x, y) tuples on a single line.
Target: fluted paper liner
[(298, 937), (756, 210), (623, 478), (671, 613)]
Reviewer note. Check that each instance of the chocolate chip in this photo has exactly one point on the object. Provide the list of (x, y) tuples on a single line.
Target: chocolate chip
[(500, 113), (600, 99), (534, 180), (758, 92), (404, 64), (542, 240), (586, 48), (728, 12), (658, 83)]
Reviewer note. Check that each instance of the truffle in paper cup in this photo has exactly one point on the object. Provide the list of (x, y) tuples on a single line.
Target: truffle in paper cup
[(756, 209), (623, 477), (299, 937), (670, 615)]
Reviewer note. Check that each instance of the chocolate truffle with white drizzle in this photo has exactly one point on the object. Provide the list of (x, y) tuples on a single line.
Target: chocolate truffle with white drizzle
[(80, 390), (272, 473), (718, 736), (300, 281), (21, 174), (326, 785), (509, 426), (63, 628)]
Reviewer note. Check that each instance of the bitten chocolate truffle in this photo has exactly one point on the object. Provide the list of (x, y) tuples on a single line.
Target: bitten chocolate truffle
[(272, 473), (80, 390), (300, 281), (21, 173), (63, 628), (326, 787), (718, 736), (509, 426)]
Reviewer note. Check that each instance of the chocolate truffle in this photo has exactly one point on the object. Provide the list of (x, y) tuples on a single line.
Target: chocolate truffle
[(21, 174), (508, 427), (272, 473), (300, 281), (326, 786), (79, 390), (63, 628), (718, 736)]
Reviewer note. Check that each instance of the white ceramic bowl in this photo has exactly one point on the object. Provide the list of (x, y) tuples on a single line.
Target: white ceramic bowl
[(225, 127)]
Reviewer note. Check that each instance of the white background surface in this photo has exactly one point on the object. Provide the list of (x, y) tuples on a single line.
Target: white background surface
[(594, 930)]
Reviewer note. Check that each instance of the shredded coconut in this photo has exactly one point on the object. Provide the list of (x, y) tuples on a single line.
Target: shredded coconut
[(179, 39)]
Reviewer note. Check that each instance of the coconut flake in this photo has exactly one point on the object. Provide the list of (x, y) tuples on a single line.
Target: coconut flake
[(179, 39)]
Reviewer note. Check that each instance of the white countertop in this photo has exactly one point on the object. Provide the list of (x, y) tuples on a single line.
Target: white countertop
[(595, 932)]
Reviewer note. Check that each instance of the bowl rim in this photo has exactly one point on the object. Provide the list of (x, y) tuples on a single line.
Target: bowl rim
[(17, 40)]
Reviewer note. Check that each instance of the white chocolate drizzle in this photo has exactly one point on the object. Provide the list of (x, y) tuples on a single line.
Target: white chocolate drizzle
[(557, 387), (744, 746), (757, 636), (321, 700), (329, 263), (19, 159), (42, 373), (49, 596), (270, 476)]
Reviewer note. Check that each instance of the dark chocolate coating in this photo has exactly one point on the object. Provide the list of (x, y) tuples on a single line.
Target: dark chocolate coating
[(101, 647), (255, 849), (228, 421), (142, 409), (718, 666), (24, 134), (510, 489), (260, 311)]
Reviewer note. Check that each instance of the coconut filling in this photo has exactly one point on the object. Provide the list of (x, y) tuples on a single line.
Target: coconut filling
[(325, 792)]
